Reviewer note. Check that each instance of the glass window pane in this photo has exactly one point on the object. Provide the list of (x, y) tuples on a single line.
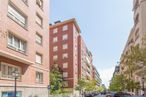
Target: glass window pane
[(38, 39), (65, 27), (39, 3), (10, 40), (10, 70), (15, 15), (39, 20), (38, 58), (4, 70), (22, 46), (16, 43)]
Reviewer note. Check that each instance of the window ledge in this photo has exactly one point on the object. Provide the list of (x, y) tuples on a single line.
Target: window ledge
[(19, 51), (25, 28)]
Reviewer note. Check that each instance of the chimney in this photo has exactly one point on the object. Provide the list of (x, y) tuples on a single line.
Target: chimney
[(50, 24), (57, 22)]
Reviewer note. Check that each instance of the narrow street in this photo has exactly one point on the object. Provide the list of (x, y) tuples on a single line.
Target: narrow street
[(100, 96)]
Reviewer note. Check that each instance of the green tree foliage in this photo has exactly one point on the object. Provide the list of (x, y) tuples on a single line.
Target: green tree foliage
[(91, 85), (118, 83), (100, 89), (131, 85), (121, 83), (87, 85), (81, 84), (135, 58), (132, 58), (56, 80)]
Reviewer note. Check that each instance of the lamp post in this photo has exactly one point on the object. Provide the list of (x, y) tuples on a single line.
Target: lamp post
[(15, 74), (143, 85)]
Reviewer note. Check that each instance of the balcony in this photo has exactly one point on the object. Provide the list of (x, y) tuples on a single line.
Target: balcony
[(14, 57)]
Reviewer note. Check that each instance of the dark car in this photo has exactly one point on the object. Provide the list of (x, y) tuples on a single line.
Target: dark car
[(122, 94), (88, 94), (110, 94), (119, 94)]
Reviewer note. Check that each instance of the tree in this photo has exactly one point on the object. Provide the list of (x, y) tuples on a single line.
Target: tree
[(100, 89), (131, 85), (56, 80), (91, 85), (81, 84), (118, 83), (134, 59)]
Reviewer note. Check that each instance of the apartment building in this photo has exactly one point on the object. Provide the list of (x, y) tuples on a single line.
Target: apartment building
[(96, 76), (117, 70), (84, 60), (64, 50), (24, 47), (138, 32)]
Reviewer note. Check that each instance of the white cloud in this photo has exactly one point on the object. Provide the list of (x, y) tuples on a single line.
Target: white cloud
[(106, 75)]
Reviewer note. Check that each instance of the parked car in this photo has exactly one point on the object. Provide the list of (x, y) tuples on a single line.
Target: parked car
[(138, 96), (119, 94), (88, 95), (111, 94)]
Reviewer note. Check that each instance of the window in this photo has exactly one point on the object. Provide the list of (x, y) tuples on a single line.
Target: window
[(55, 39), (10, 94), (65, 37), (136, 19), (38, 58), (55, 57), (65, 74), (38, 39), (65, 46), (39, 77), (39, 20), (65, 55), (25, 1), (65, 27), (55, 30), (65, 83), (65, 65), (55, 48), (39, 3), (8, 69), (16, 16), (136, 4), (16, 43)]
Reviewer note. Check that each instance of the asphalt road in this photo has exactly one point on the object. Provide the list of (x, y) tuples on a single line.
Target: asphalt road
[(100, 96)]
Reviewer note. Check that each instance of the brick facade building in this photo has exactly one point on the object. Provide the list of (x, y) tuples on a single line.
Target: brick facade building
[(24, 47)]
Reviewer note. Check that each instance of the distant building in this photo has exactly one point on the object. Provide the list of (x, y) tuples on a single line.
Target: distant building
[(104, 87), (96, 76), (117, 70), (84, 60), (69, 51), (64, 50)]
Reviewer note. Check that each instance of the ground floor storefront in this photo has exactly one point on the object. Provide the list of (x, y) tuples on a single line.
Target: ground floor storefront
[(24, 91)]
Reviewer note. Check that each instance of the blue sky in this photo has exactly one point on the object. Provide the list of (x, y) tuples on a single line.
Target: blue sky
[(105, 26)]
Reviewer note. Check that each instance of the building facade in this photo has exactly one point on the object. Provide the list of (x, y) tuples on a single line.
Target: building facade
[(117, 70), (136, 38), (24, 47), (84, 60), (96, 76), (64, 50), (69, 52)]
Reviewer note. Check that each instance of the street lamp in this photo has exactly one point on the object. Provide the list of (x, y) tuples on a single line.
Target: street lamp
[(143, 85), (15, 74)]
